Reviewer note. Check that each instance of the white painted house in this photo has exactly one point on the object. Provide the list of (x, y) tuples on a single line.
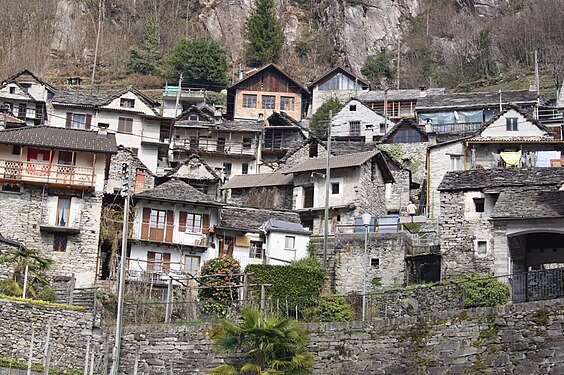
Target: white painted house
[(511, 139), (356, 121), (128, 113)]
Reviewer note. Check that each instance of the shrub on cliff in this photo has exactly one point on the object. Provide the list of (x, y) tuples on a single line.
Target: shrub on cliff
[(484, 291)]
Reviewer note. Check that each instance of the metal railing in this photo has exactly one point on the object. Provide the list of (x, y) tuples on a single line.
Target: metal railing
[(47, 173), (537, 285), (457, 128)]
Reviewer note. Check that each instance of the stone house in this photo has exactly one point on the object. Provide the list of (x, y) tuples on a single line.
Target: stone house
[(501, 221), (52, 187), (26, 96), (264, 91), (197, 173), (265, 190), (398, 104), (511, 139), (356, 186), (172, 231), (356, 121), (337, 83), (261, 236), (280, 133), (141, 177), (132, 116)]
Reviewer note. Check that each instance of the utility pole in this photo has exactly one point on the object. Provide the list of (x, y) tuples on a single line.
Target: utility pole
[(398, 75), (126, 171), (327, 182), (97, 41), (537, 84)]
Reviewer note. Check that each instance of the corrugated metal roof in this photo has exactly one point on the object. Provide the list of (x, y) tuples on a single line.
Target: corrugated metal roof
[(258, 180), (60, 138)]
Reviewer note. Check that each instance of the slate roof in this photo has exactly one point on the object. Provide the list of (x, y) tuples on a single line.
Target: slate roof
[(401, 124), (499, 178), (174, 173), (394, 95), (13, 78), (59, 138), (251, 219), (258, 180), (175, 190), (529, 204), (474, 99), (347, 147), (341, 161)]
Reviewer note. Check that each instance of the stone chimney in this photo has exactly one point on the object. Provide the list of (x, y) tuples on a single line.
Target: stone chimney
[(422, 91), (217, 114), (103, 129), (261, 117)]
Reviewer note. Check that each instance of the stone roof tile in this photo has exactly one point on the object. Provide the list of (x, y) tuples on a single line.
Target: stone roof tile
[(251, 219), (177, 191), (529, 204)]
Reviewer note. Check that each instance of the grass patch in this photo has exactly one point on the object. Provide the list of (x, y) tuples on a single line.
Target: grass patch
[(22, 365), (41, 303), (412, 227), (541, 317)]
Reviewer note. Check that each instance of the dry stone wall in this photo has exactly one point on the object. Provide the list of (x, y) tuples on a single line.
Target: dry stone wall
[(521, 339)]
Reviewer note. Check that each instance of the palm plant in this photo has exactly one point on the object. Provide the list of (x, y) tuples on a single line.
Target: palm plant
[(20, 257), (269, 345)]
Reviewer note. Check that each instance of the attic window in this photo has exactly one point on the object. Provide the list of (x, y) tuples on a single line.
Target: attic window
[(511, 124), (352, 108), (127, 103), (12, 90), (194, 118), (354, 129)]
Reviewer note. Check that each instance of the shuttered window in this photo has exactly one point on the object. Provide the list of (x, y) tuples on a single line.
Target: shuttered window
[(78, 121), (125, 125)]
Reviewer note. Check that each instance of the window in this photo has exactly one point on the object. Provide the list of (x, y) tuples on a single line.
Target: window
[(249, 101), (127, 103), (245, 168), (247, 143), (12, 90), (227, 168), (287, 103), (15, 188), (511, 124), (375, 262), (406, 136), (479, 204), (157, 219), (352, 108), (308, 196), (313, 150), (194, 118), (192, 264), (334, 188), (268, 102), (155, 261), (290, 243), (455, 162), (16, 150), (354, 129), (78, 121), (481, 247), (194, 223), (59, 243), (66, 158), (256, 250), (63, 212), (22, 111), (194, 142), (382, 128), (220, 144), (125, 125)]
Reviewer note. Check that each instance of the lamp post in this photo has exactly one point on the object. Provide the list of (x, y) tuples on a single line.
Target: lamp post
[(366, 222)]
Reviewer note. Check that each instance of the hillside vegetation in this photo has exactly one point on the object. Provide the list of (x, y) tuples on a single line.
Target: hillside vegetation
[(451, 43)]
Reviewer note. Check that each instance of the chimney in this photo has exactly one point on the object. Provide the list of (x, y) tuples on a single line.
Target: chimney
[(261, 117), (423, 91), (241, 75), (217, 114), (103, 129)]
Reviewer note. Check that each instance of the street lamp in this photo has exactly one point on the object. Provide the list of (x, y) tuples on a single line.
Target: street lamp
[(366, 218)]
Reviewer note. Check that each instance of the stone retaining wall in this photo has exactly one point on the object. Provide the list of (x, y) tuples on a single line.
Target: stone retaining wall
[(523, 339), (70, 331)]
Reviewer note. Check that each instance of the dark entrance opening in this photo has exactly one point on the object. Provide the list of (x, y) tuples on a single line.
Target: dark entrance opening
[(424, 269)]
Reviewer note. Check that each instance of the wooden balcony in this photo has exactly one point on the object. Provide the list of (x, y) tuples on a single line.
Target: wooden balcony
[(217, 147), (47, 173), (169, 234)]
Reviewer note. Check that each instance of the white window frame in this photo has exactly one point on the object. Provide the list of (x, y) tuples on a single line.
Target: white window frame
[(193, 223), (289, 242)]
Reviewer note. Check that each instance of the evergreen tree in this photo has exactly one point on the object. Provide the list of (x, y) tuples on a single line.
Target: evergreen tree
[(200, 61), (320, 119), (378, 69), (264, 34), (145, 60)]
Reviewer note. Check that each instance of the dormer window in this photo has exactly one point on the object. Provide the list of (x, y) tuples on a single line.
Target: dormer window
[(352, 108), (127, 103), (511, 124), (12, 90)]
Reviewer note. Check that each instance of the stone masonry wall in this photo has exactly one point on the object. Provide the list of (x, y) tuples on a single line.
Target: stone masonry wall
[(22, 219), (413, 156), (521, 339), (69, 334), (458, 234)]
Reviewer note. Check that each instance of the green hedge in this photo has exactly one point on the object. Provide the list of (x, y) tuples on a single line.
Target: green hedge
[(484, 291), (287, 281)]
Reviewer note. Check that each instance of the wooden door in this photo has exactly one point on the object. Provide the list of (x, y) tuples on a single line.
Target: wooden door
[(226, 247), (308, 196)]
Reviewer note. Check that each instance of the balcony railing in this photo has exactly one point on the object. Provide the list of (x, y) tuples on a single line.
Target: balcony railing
[(54, 219), (217, 146), (27, 171), (457, 128), (168, 234)]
